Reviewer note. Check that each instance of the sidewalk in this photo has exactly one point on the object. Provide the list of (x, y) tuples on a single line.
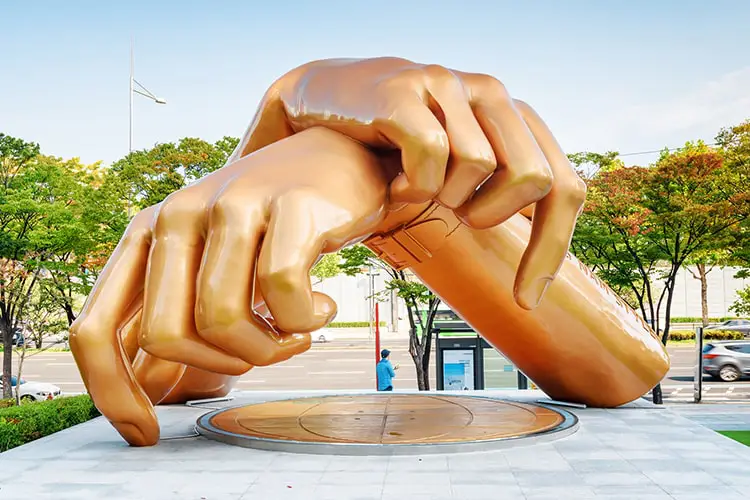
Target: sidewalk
[(635, 452)]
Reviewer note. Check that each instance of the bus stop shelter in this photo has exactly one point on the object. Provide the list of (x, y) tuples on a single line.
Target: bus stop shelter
[(465, 361)]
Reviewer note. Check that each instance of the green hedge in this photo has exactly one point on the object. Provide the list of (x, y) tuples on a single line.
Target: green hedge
[(352, 324), (707, 334), (30, 421), (700, 320)]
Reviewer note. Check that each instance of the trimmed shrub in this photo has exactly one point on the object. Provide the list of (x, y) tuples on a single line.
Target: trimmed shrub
[(352, 324), (28, 422), (699, 320), (707, 335)]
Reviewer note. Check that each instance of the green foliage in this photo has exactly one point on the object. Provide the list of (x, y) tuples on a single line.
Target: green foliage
[(22, 424), (680, 319), (640, 225), (146, 177), (326, 267), (707, 334), (742, 305), (352, 324)]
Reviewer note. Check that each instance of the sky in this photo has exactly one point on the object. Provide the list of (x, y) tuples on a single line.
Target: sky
[(626, 76)]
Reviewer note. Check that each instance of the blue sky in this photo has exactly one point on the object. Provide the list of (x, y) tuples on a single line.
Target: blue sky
[(605, 75)]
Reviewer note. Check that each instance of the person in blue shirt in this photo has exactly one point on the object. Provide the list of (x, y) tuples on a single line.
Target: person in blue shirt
[(385, 371)]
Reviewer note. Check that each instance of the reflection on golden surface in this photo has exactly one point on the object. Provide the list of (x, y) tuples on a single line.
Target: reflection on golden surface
[(387, 419)]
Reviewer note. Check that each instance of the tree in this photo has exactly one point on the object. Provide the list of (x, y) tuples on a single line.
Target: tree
[(17, 215), (326, 267), (421, 305), (705, 261), (741, 306), (149, 176)]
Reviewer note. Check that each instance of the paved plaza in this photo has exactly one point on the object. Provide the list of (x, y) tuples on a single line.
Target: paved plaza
[(636, 452)]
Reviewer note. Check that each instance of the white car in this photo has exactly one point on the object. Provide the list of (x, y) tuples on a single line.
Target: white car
[(323, 335), (34, 391)]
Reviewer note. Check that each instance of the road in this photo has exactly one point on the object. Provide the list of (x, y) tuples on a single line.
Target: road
[(350, 364)]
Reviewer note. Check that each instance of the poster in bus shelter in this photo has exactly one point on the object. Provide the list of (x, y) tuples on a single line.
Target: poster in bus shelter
[(458, 369)]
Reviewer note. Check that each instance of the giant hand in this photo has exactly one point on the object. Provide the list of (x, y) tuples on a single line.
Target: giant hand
[(456, 132), (179, 289)]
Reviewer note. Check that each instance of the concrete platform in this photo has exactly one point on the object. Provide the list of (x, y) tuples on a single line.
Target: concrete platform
[(635, 452)]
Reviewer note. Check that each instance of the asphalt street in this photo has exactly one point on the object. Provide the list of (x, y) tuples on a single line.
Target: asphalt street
[(350, 364)]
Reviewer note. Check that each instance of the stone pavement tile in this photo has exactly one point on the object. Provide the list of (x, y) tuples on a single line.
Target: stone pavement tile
[(673, 481), (433, 480), (616, 479), (532, 480), (718, 492), (675, 466), (338, 492), (491, 462), (734, 479), (426, 463), (300, 463), (288, 479), (531, 460), (418, 489), (487, 492), (357, 464), (13, 467), (558, 493), (583, 466), (659, 456), (475, 477), (632, 492), (365, 479), (278, 492), (217, 483), (586, 454)]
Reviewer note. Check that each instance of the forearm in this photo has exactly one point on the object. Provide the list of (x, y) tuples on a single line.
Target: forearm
[(582, 343)]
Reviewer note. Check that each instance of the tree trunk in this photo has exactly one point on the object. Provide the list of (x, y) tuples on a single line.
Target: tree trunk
[(70, 315), (7, 358), (21, 357)]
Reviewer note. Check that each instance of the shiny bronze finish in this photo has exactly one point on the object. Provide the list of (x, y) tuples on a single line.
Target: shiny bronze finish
[(214, 280), (387, 419)]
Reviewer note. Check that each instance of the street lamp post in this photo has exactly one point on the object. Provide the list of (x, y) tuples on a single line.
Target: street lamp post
[(142, 91)]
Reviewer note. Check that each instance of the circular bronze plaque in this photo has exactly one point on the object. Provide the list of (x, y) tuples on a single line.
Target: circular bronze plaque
[(383, 419)]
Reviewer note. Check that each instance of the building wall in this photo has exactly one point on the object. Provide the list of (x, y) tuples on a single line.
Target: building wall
[(722, 292), (351, 294)]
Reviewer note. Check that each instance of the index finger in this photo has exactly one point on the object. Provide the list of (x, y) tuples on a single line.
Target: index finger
[(554, 217), (96, 344)]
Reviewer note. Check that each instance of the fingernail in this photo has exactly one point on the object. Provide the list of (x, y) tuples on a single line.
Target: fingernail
[(530, 296)]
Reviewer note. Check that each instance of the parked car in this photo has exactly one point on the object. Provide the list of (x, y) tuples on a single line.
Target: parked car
[(34, 391), (323, 335), (727, 360), (737, 325)]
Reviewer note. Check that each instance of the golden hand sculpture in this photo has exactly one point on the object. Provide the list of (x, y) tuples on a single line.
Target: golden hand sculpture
[(456, 132), (185, 275), (215, 279)]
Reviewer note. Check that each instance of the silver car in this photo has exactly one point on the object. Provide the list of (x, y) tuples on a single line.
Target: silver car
[(736, 325), (727, 360)]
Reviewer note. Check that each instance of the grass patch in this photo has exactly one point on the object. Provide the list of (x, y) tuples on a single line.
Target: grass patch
[(30, 421), (739, 436)]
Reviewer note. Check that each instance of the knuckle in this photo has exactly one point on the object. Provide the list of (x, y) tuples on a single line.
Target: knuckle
[(214, 315), (264, 357), (281, 277), (177, 208), (84, 329), (438, 72), (227, 206), (157, 333), (539, 180), (492, 88), (575, 193)]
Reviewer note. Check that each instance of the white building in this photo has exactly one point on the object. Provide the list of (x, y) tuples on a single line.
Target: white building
[(351, 294)]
